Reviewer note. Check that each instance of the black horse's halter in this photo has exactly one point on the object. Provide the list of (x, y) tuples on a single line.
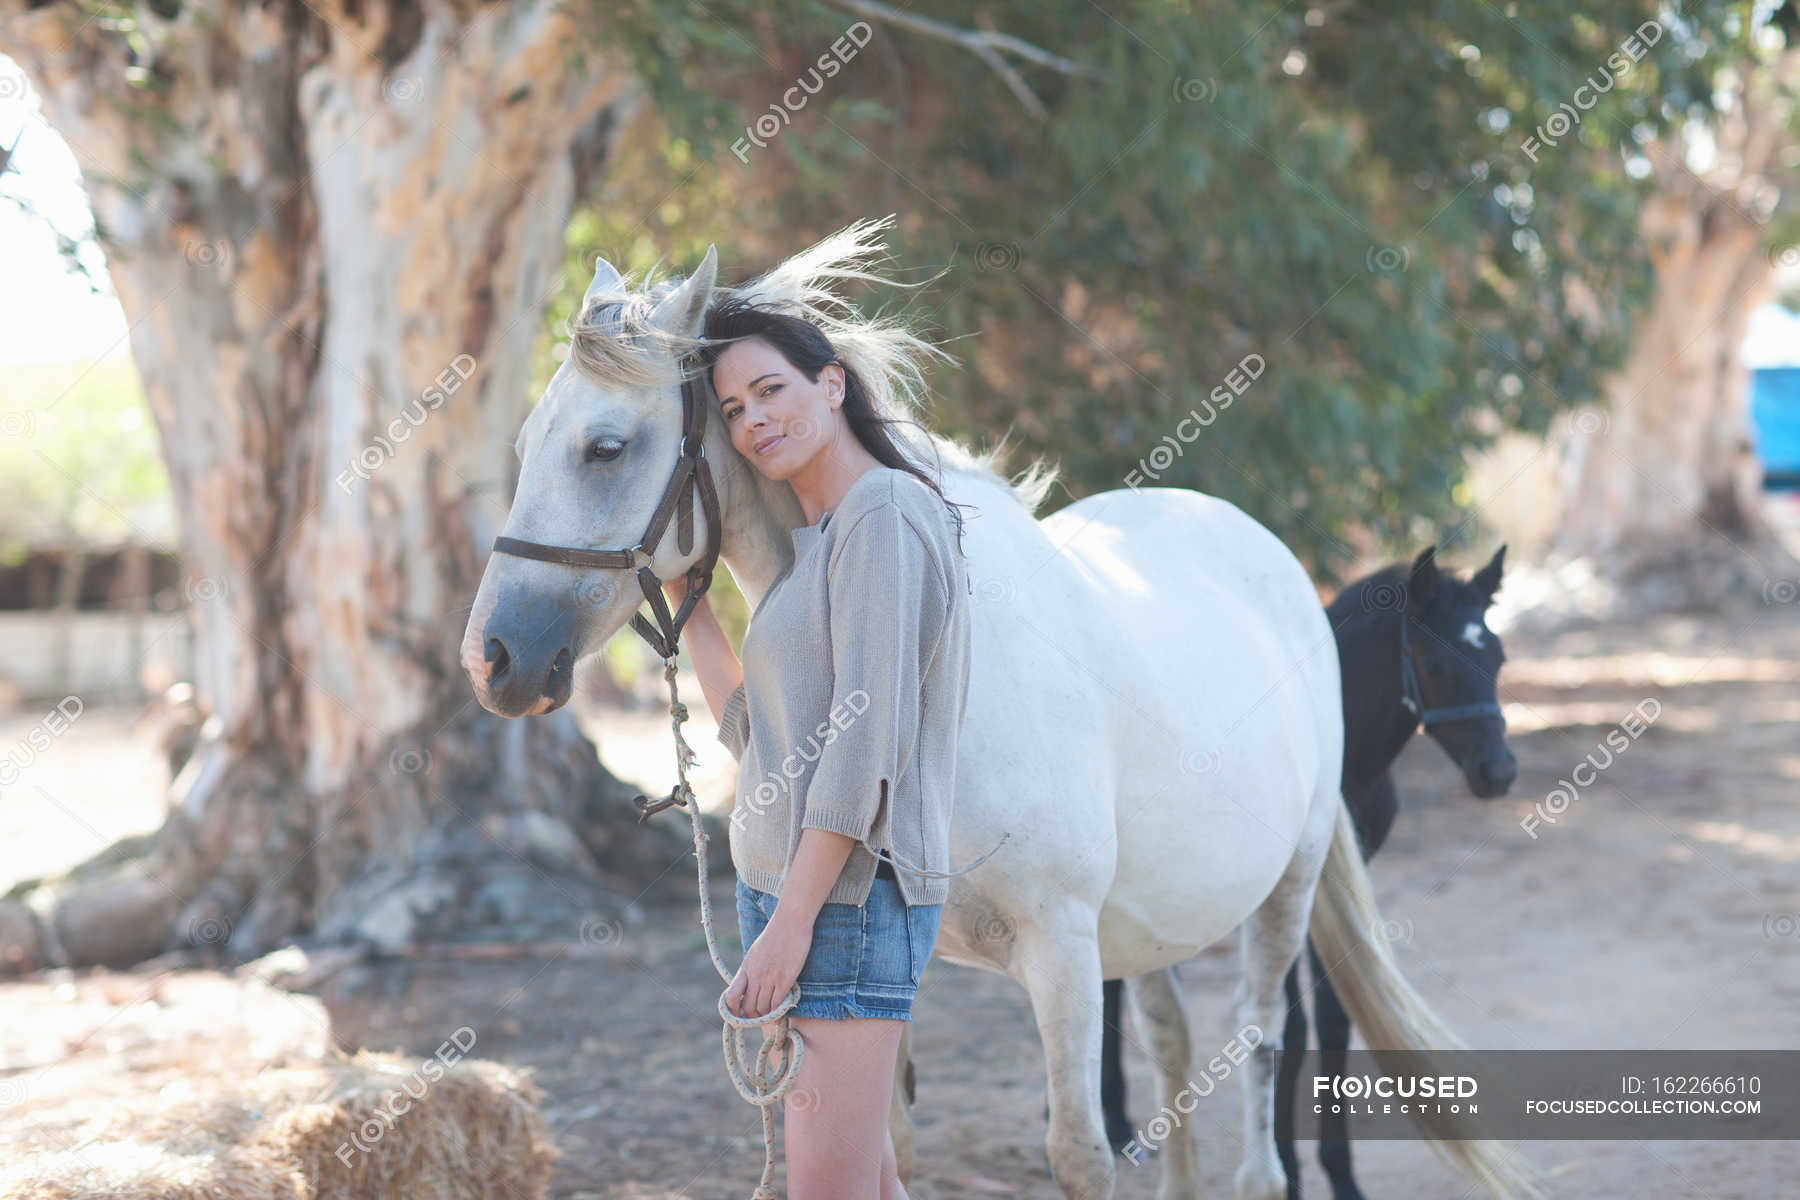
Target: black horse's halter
[(691, 475), (1415, 700)]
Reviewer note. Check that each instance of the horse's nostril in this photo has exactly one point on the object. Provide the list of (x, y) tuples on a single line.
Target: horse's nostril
[(498, 659), (560, 683)]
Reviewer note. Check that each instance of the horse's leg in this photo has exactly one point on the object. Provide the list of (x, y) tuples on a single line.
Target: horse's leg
[(1334, 1041), (1112, 1068), (1269, 944), (1287, 1078), (1163, 1020), (900, 1126), (1112, 1065), (1060, 970)]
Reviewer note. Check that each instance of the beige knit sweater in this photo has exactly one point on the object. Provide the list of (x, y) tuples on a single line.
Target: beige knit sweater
[(856, 674)]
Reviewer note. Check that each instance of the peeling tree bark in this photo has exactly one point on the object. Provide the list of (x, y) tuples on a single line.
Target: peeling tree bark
[(1660, 482), (333, 228), (1671, 449)]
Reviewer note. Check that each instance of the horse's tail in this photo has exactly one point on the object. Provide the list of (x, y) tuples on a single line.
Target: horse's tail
[(1347, 930)]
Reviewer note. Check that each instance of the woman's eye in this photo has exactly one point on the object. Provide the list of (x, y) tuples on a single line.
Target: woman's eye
[(605, 449)]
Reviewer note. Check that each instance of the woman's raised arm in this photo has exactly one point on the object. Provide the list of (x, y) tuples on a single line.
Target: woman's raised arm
[(714, 660)]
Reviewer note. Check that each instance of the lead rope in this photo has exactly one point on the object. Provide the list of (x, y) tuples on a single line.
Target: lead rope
[(760, 1083)]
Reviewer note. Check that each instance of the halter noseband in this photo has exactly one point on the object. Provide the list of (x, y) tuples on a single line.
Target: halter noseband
[(691, 475), (1415, 700)]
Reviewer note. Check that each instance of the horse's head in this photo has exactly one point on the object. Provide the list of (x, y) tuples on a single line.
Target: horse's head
[(1456, 661), (595, 456)]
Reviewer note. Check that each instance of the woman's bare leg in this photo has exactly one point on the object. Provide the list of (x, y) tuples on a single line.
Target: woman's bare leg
[(838, 1146)]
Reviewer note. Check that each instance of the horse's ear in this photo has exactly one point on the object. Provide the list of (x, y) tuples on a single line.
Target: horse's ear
[(1422, 581), (679, 312), (1487, 580), (606, 279)]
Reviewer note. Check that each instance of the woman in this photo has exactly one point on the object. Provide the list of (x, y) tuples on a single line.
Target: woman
[(844, 717)]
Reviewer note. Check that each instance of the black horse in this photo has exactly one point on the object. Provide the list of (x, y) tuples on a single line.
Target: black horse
[(1414, 649)]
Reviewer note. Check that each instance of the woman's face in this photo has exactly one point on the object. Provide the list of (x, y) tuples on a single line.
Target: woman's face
[(776, 419)]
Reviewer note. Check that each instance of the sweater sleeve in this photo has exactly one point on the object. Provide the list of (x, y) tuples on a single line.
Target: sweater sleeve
[(734, 723), (888, 608)]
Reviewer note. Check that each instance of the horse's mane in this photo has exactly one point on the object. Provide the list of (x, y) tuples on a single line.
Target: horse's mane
[(612, 342)]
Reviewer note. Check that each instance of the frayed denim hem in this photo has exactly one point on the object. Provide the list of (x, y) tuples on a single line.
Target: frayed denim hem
[(831, 1009)]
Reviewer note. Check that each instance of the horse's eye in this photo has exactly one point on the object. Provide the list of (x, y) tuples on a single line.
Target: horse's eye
[(605, 449)]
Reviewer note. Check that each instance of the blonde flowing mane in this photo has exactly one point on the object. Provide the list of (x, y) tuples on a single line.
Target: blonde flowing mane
[(613, 343)]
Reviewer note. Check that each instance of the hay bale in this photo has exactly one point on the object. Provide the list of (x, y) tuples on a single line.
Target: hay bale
[(374, 1126), (196, 1085)]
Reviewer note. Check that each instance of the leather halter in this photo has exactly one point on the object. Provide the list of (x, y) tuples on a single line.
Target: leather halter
[(1415, 700), (691, 475)]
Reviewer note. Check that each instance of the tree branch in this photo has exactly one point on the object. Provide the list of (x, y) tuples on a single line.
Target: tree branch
[(982, 43)]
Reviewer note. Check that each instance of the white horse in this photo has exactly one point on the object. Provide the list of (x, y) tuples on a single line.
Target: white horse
[(1153, 714)]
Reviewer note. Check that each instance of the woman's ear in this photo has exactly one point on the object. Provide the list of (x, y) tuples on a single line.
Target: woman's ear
[(833, 373)]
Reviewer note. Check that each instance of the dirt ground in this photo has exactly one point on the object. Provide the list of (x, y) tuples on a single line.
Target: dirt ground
[(1657, 912)]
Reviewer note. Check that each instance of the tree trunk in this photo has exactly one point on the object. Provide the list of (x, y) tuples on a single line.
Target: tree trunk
[(334, 228), (1660, 484)]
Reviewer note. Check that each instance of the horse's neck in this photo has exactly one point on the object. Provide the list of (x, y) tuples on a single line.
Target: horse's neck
[(1377, 723), (758, 541)]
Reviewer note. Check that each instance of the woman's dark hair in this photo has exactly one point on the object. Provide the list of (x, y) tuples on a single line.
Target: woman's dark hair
[(807, 349)]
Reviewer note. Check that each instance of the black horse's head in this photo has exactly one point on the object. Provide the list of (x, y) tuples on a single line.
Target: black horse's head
[(1450, 667)]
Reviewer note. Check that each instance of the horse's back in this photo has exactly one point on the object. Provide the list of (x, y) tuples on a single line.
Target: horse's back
[(1191, 556), (1176, 538)]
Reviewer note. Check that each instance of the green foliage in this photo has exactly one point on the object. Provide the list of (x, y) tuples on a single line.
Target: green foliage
[(79, 453), (1344, 191), (664, 39)]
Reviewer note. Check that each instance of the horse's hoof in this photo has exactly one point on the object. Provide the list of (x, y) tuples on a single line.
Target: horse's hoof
[(1260, 1181)]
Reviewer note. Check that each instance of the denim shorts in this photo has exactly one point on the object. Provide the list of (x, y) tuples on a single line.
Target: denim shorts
[(866, 958)]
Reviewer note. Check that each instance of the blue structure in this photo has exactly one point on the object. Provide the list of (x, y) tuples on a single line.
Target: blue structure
[(1775, 420)]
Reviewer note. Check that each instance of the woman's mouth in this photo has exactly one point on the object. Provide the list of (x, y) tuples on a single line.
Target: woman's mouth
[(765, 447)]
